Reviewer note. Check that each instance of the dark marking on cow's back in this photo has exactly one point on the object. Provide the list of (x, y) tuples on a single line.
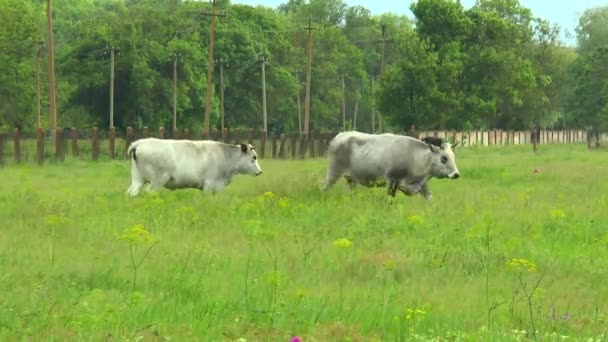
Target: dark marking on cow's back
[(433, 141)]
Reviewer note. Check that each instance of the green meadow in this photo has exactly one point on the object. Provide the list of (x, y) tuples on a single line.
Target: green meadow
[(501, 254)]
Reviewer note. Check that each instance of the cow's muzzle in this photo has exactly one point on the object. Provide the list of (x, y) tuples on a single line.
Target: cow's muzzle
[(454, 175), (258, 173)]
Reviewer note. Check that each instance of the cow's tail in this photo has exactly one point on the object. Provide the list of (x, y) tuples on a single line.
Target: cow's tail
[(131, 151)]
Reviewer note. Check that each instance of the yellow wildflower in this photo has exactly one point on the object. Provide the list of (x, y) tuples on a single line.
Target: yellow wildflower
[(521, 265), (136, 235), (415, 219), (557, 214), (269, 195), (411, 313), (342, 243), (52, 220)]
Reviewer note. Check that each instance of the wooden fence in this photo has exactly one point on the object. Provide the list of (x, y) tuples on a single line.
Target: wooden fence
[(96, 144)]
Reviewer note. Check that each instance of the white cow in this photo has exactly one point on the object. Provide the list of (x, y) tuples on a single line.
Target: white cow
[(405, 163), (178, 164)]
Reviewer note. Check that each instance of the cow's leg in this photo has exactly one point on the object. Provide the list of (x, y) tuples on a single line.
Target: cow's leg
[(426, 192), (137, 181), (392, 187), (213, 186), (333, 174), (351, 182), (159, 181)]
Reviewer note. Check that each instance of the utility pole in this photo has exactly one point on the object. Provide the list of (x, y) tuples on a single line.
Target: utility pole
[(263, 60), (213, 14), (175, 56), (343, 104), (356, 110), (373, 105), (383, 40), (222, 62), (52, 92), (112, 50), (382, 64), (298, 99), (38, 52), (308, 70)]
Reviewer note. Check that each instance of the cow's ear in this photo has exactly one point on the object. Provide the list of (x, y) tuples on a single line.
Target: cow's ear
[(243, 148), (253, 147)]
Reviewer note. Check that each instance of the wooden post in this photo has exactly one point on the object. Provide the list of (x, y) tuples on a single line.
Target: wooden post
[(161, 132), (303, 139), (225, 135), (146, 132), (17, 144), (74, 133), (237, 136), (112, 142), (311, 144), (187, 134), (175, 133), (273, 147), (250, 136), (40, 145), (58, 143), (321, 144), (262, 145), (129, 139), (95, 144), (293, 143), (282, 146), (215, 136), (2, 137), (205, 134)]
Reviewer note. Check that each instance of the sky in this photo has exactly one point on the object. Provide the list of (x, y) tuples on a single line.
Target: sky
[(562, 12)]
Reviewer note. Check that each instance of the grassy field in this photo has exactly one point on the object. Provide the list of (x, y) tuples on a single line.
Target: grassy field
[(500, 254)]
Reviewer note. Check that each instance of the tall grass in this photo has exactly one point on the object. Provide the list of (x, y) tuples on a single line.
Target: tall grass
[(271, 257)]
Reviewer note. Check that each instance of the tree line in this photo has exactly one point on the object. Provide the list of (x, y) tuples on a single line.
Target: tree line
[(494, 65)]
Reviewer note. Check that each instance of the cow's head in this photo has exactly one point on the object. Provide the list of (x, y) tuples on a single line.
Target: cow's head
[(247, 162), (443, 161)]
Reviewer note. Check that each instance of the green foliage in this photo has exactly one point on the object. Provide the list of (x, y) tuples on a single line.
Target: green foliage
[(494, 65)]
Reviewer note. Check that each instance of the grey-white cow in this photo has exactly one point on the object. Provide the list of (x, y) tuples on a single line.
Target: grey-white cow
[(178, 164), (406, 163)]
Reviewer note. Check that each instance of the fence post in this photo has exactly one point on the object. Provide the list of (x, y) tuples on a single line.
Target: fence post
[(262, 144), (293, 139), (175, 133), (17, 144), (161, 132), (273, 146), (282, 147), (2, 138), (303, 140), (61, 143), (250, 136), (74, 134), (94, 144), (146, 132), (224, 136), (129, 139), (112, 142), (205, 134), (237, 136), (40, 145), (311, 144)]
